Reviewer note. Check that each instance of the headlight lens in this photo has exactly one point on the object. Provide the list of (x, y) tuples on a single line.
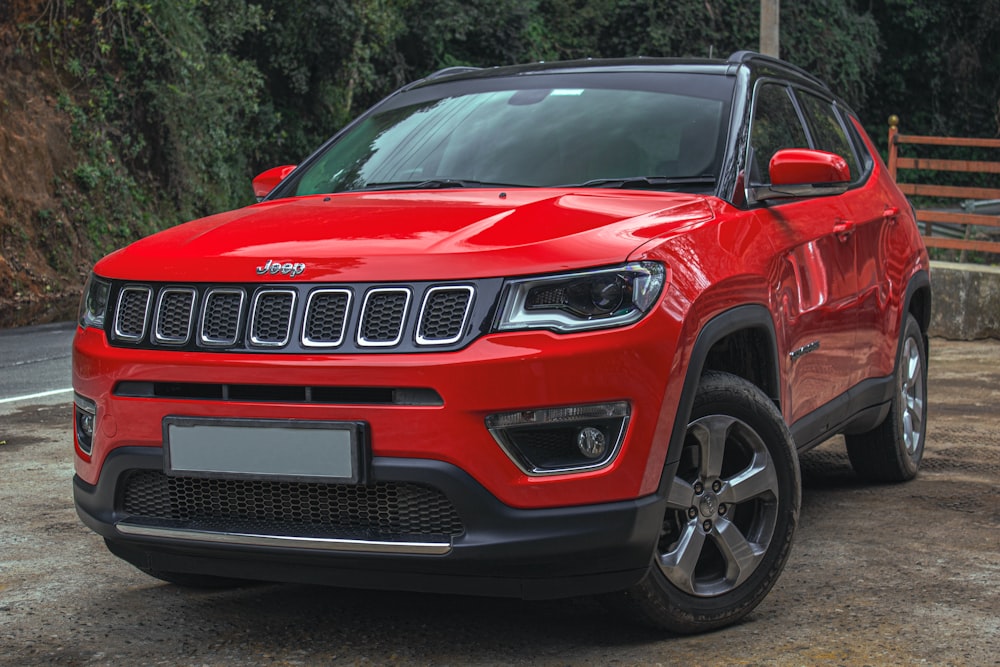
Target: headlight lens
[(585, 300), (94, 304)]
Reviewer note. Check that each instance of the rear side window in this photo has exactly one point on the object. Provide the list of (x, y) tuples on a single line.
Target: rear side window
[(827, 131), (776, 125)]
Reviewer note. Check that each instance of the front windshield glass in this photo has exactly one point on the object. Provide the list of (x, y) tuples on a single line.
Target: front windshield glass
[(531, 136)]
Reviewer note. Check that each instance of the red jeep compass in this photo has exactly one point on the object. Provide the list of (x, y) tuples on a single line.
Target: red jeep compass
[(537, 331)]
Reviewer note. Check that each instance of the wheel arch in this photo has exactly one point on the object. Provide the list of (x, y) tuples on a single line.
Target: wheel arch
[(741, 341), (917, 301)]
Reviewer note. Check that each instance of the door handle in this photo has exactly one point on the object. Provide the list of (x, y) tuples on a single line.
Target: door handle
[(889, 214), (843, 229)]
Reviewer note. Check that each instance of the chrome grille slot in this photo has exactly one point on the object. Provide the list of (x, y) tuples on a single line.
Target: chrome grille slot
[(326, 318), (132, 312), (221, 317), (443, 315), (271, 318), (283, 318), (174, 313), (383, 317)]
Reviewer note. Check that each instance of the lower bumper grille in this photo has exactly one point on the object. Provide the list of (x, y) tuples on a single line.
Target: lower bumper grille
[(383, 511)]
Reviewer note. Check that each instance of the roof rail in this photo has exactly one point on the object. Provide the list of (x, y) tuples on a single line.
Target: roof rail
[(457, 69), (744, 57)]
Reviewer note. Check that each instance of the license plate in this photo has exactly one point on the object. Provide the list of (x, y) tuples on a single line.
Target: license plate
[(263, 449)]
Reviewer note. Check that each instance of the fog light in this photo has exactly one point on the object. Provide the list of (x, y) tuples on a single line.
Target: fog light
[(87, 425), (552, 441), (591, 442)]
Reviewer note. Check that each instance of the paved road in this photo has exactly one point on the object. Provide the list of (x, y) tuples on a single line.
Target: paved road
[(34, 361), (904, 574)]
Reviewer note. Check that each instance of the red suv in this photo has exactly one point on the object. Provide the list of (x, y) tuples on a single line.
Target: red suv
[(535, 331)]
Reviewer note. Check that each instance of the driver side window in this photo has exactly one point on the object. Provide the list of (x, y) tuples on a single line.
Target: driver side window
[(775, 125)]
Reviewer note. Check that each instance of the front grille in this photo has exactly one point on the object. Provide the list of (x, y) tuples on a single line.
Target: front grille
[(360, 318), (380, 511)]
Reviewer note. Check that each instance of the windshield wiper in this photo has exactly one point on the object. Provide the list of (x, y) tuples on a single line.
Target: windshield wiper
[(436, 184), (647, 181)]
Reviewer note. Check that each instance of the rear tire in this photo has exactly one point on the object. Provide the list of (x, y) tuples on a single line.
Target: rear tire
[(730, 515), (892, 451)]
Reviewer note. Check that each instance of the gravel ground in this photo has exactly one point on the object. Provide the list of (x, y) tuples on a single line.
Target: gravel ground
[(900, 574)]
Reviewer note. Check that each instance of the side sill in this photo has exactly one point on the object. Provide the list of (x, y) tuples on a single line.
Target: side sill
[(859, 409), (132, 529)]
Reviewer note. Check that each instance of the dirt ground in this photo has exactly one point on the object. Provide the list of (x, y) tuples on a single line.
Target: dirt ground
[(879, 575)]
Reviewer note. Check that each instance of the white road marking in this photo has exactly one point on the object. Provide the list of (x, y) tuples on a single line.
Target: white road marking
[(28, 397)]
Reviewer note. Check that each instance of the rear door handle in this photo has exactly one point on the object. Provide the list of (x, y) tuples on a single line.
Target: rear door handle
[(843, 229)]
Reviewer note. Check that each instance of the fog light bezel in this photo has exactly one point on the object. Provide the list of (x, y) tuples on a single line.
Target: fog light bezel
[(612, 418), (84, 408)]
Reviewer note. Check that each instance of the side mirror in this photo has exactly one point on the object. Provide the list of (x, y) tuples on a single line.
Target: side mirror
[(265, 182), (803, 172)]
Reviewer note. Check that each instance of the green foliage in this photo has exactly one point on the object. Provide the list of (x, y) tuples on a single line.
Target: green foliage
[(940, 70), (176, 104)]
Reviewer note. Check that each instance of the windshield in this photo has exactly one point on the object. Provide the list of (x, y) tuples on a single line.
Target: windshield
[(512, 135)]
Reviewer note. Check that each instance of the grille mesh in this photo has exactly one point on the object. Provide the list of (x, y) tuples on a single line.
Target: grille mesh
[(221, 321), (444, 314), (326, 317), (272, 318), (385, 509), (382, 321), (133, 307), (173, 317)]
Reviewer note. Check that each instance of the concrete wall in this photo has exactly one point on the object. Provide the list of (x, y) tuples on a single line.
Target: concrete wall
[(966, 301)]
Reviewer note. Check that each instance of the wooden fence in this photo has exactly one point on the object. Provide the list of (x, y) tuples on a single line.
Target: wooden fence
[(947, 221)]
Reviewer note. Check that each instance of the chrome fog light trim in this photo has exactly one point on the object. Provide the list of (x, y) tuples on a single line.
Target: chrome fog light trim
[(561, 440)]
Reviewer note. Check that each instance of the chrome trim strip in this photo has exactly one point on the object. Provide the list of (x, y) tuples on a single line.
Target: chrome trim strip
[(285, 541), (465, 316), (158, 335)]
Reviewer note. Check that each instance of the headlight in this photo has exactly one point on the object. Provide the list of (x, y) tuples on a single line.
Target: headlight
[(584, 300), (94, 304)]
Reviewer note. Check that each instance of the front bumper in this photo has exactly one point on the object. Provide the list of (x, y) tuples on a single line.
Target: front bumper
[(502, 551), (498, 373)]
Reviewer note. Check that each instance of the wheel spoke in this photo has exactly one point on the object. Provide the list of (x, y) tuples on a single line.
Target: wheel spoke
[(681, 495), (757, 480), (913, 361), (711, 434), (740, 555), (679, 565)]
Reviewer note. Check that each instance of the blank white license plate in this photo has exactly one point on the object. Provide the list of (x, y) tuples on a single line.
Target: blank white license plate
[(270, 449)]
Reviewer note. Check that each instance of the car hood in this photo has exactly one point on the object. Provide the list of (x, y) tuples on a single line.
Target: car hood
[(414, 235)]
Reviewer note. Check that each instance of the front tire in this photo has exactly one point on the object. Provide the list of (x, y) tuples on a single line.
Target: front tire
[(892, 451), (730, 515)]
